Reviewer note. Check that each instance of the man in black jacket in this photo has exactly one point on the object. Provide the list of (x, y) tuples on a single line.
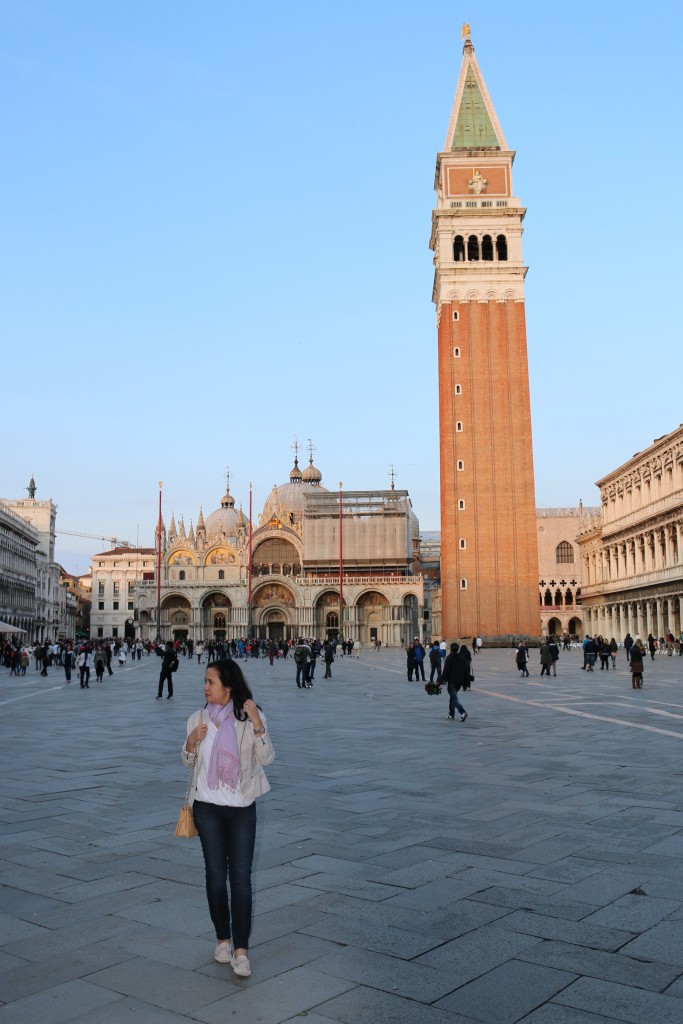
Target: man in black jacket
[(168, 666), (456, 673)]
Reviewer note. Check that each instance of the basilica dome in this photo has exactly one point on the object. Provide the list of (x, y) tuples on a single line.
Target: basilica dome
[(289, 498), (225, 519)]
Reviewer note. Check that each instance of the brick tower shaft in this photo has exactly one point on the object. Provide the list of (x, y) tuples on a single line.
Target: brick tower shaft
[(489, 557)]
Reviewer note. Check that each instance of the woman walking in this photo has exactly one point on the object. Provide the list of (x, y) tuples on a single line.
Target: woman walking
[(228, 743), (520, 659)]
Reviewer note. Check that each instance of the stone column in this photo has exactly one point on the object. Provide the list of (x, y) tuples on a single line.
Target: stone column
[(660, 617), (668, 540)]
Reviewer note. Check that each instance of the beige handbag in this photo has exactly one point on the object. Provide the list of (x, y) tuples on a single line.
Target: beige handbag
[(185, 827)]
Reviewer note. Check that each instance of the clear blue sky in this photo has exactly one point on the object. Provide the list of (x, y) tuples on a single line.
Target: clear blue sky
[(214, 229)]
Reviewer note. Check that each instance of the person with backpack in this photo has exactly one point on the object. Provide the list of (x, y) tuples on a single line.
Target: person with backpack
[(434, 662), (168, 666)]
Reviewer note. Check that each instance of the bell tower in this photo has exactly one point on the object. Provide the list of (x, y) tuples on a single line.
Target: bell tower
[(489, 555)]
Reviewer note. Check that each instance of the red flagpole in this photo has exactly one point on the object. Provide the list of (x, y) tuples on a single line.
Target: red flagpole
[(341, 565), (159, 567), (251, 551)]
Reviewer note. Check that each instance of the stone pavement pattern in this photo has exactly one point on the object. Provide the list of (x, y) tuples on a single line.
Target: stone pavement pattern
[(522, 866)]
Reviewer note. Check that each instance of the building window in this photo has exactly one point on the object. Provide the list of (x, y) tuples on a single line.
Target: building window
[(460, 465), (456, 315), (463, 584), (331, 620), (473, 248), (463, 543), (456, 353), (461, 505), (564, 552), (130, 606), (117, 588), (101, 565), (458, 252), (100, 630), (115, 606), (100, 606), (181, 574), (100, 589), (487, 248), (458, 426), (219, 621), (114, 630), (458, 389), (501, 247), (131, 588), (221, 574)]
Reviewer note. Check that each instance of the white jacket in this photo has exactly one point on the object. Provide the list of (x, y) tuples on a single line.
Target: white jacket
[(255, 751)]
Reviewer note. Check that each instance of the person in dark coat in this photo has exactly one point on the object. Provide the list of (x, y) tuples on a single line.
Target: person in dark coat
[(168, 666), (328, 658), (456, 673), (520, 659)]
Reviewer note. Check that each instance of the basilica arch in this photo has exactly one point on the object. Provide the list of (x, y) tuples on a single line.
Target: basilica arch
[(274, 610), (176, 617), (276, 554), (216, 614), (373, 618), (326, 618)]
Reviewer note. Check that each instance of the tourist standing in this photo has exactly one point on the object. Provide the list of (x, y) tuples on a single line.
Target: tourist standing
[(637, 664), (84, 668), (169, 665), (68, 662), (228, 743)]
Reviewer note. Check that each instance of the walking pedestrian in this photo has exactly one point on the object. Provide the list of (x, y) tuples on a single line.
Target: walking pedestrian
[(521, 659), (456, 672)]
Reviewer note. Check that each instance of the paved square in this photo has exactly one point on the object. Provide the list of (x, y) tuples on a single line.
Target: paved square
[(525, 865)]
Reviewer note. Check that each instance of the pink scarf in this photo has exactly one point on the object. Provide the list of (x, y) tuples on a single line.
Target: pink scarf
[(224, 764)]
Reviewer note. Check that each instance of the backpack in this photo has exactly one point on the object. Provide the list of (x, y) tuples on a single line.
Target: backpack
[(175, 665), (298, 656)]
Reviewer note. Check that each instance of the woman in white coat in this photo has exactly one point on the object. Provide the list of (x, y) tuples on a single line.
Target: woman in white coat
[(230, 742)]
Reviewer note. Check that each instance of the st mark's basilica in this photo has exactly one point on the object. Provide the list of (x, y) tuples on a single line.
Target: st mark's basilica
[(302, 537)]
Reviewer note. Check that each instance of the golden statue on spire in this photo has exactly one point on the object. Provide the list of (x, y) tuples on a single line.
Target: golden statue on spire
[(465, 32)]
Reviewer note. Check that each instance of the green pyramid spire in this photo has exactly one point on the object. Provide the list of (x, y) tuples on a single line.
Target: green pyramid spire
[(473, 128)]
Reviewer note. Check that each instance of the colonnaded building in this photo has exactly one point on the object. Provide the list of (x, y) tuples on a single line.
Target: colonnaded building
[(489, 559), (294, 590), (633, 554)]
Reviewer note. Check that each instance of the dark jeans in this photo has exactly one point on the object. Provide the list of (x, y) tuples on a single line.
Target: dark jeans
[(454, 703), (227, 835), (301, 673), (419, 670), (169, 677), (436, 668)]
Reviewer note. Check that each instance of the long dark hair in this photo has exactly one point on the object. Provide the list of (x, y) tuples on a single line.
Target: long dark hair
[(231, 677)]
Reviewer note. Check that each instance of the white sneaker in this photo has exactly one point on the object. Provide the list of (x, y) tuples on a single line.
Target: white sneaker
[(240, 965), (223, 951)]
